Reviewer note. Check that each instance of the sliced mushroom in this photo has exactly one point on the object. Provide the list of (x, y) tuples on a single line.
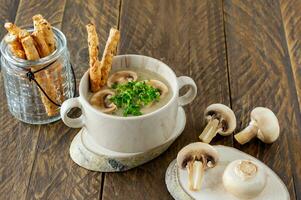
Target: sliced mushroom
[(264, 125), (220, 119), (121, 77), (244, 179), (163, 89), (101, 100), (196, 158)]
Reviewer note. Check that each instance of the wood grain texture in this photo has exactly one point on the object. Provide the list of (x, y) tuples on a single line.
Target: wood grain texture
[(18, 143), (8, 11), (260, 75), (17, 140), (189, 37), (292, 21), (55, 175), (291, 17), (51, 10)]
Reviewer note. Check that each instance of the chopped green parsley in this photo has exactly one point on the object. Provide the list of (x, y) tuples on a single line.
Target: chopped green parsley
[(134, 95)]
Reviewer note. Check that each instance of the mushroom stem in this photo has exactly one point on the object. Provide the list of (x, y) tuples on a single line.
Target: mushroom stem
[(246, 169), (195, 173), (247, 134), (210, 131)]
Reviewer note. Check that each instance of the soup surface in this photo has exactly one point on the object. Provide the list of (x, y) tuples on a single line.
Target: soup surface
[(132, 92)]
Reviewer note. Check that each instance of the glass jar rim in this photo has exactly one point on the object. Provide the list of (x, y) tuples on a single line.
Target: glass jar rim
[(61, 44)]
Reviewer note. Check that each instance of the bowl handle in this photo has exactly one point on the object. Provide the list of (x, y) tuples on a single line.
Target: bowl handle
[(66, 107), (190, 94)]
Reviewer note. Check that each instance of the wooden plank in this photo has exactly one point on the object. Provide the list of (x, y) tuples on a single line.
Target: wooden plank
[(18, 143), (189, 37), (17, 140), (8, 11), (51, 10), (291, 17), (260, 75), (54, 174)]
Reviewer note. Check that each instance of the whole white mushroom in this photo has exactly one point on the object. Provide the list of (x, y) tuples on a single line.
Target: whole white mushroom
[(264, 125), (220, 119), (244, 179)]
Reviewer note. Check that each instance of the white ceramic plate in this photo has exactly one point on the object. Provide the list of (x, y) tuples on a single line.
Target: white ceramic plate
[(212, 189)]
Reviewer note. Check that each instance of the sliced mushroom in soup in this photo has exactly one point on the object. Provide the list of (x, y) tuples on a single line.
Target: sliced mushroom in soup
[(121, 77), (101, 101)]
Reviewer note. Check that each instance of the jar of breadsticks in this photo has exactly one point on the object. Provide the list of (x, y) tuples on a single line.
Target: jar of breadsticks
[(36, 70)]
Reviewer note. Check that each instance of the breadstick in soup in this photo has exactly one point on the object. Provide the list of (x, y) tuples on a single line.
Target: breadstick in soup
[(94, 70), (109, 52)]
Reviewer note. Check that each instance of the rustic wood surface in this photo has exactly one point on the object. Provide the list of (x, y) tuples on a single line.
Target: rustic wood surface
[(240, 53), (261, 75)]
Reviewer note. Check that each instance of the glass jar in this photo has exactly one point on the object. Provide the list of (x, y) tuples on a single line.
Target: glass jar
[(35, 89)]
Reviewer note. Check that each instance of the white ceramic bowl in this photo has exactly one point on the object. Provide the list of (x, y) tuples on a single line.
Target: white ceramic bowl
[(137, 133)]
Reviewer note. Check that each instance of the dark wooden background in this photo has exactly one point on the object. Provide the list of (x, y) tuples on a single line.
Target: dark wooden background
[(243, 53)]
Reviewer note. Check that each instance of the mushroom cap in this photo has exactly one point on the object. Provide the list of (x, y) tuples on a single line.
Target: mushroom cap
[(244, 178), (197, 151), (163, 89), (223, 113), (267, 123), (122, 77), (100, 100)]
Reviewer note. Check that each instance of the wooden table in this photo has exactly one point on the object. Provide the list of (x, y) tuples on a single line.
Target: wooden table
[(241, 53)]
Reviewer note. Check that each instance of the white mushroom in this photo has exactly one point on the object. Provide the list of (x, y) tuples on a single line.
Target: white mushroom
[(196, 158), (244, 179), (220, 119), (163, 89), (264, 125), (121, 77), (101, 100)]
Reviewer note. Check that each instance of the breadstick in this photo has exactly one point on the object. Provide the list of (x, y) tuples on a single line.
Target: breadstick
[(15, 45), (32, 54), (94, 70), (44, 37), (44, 26), (12, 28), (39, 36), (60, 98), (28, 46), (41, 44), (107, 58), (36, 20), (13, 41), (54, 75)]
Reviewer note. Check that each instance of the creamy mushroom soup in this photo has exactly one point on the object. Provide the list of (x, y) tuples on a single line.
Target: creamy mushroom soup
[(132, 92)]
